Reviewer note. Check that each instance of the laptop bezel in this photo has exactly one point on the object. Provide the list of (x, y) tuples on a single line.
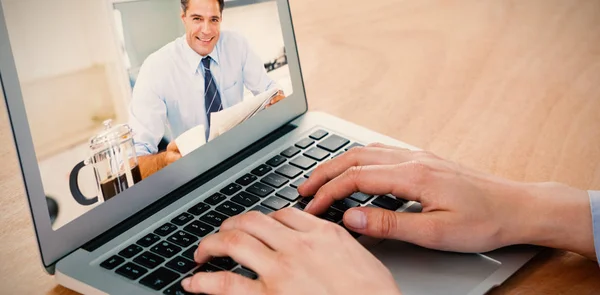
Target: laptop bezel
[(56, 244)]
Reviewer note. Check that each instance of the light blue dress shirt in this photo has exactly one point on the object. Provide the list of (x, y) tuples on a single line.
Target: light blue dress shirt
[(168, 97), (595, 205)]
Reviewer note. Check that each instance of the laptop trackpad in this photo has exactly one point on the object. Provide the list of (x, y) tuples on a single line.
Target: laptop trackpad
[(422, 271)]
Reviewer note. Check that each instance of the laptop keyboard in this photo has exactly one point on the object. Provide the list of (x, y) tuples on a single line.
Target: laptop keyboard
[(162, 258)]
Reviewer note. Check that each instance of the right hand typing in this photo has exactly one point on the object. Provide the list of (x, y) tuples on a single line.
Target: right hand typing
[(463, 210)]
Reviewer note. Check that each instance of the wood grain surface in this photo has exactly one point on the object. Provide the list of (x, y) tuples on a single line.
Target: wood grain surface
[(508, 87)]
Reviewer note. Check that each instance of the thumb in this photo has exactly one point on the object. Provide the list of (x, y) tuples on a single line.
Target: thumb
[(386, 224)]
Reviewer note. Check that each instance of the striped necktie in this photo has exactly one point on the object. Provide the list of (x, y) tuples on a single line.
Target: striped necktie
[(212, 99)]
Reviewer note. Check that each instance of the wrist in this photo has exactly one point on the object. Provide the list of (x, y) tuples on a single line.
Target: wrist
[(554, 215)]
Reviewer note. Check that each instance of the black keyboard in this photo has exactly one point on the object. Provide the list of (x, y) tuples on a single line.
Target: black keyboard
[(162, 258)]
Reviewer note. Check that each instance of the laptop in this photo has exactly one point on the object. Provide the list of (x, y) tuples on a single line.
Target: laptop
[(119, 231)]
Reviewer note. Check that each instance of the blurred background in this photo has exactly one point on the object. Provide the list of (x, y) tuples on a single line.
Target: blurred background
[(78, 61)]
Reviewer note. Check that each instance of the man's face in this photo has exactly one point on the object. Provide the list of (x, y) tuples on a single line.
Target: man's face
[(202, 22)]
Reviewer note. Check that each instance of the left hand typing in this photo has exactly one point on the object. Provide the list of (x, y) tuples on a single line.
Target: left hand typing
[(292, 252)]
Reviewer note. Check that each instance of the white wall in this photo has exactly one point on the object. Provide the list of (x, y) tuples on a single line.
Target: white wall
[(259, 23), (54, 37), (71, 73)]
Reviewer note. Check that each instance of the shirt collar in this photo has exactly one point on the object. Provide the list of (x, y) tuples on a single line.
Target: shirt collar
[(194, 59)]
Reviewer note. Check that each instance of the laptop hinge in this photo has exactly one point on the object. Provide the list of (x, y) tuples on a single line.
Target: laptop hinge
[(186, 188)]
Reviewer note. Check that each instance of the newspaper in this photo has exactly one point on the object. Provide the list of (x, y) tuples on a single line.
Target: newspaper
[(224, 121)]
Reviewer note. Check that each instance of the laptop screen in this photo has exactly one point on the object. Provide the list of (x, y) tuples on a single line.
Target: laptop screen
[(115, 91)]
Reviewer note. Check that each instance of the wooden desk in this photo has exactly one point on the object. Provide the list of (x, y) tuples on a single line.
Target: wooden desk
[(509, 87)]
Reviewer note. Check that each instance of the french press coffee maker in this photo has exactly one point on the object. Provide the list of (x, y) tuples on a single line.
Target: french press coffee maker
[(112, 155)]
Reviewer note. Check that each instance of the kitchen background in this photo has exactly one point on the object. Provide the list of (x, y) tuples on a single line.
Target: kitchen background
[(77, 62)]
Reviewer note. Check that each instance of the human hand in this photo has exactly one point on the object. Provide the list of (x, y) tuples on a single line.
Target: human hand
[(280, 95), (463, 210), (293, 253), (172, 153)]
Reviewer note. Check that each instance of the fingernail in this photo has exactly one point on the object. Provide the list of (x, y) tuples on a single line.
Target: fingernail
[(185, 283), (355, 219), (309, 204), (195, 252)]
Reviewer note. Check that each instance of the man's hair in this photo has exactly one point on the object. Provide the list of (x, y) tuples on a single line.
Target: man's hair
[(186, 3)]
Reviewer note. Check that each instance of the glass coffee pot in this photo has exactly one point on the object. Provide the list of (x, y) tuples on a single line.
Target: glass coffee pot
[(112, 155)]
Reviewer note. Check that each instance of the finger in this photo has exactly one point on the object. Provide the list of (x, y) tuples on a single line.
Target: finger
[(221, 282), (402, 180), (361, 156), (240, 246), (296, 219), (414, 228), (266, 229)]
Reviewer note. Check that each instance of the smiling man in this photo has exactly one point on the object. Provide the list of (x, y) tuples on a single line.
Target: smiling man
[(182, 83)]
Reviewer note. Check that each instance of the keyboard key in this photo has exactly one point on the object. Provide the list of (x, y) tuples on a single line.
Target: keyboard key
[(317, 154), (149, 260), (199, 209), (182, 219), (131, 251), (166, 229), (215, 199), (332, 215), (230, 208), (275, 203), (333, 143), (288, 193), (276, 161), (225, 263), (231, 189), (207, 268), (298, 182), (112, 262), (299, 206), (317, 135), (356, 144), (307, 174), (131, 271), (360, 197), (182, 238), (274, 180), (159, 278), (260, 189), (246, 179), (261, 170), (306, 200), (289, 171), (338, 154), (387, 202), (345, 204), (148, 240), (213, 218), (304, 143), (245, 199), (198, 228), (290, 152), (261, 209), (181, 264), (189, 253), (176, 289), (165, 249), (303, 162), (246, 273)]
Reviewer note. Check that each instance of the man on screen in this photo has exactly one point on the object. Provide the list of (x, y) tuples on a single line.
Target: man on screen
[(182, 83)]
